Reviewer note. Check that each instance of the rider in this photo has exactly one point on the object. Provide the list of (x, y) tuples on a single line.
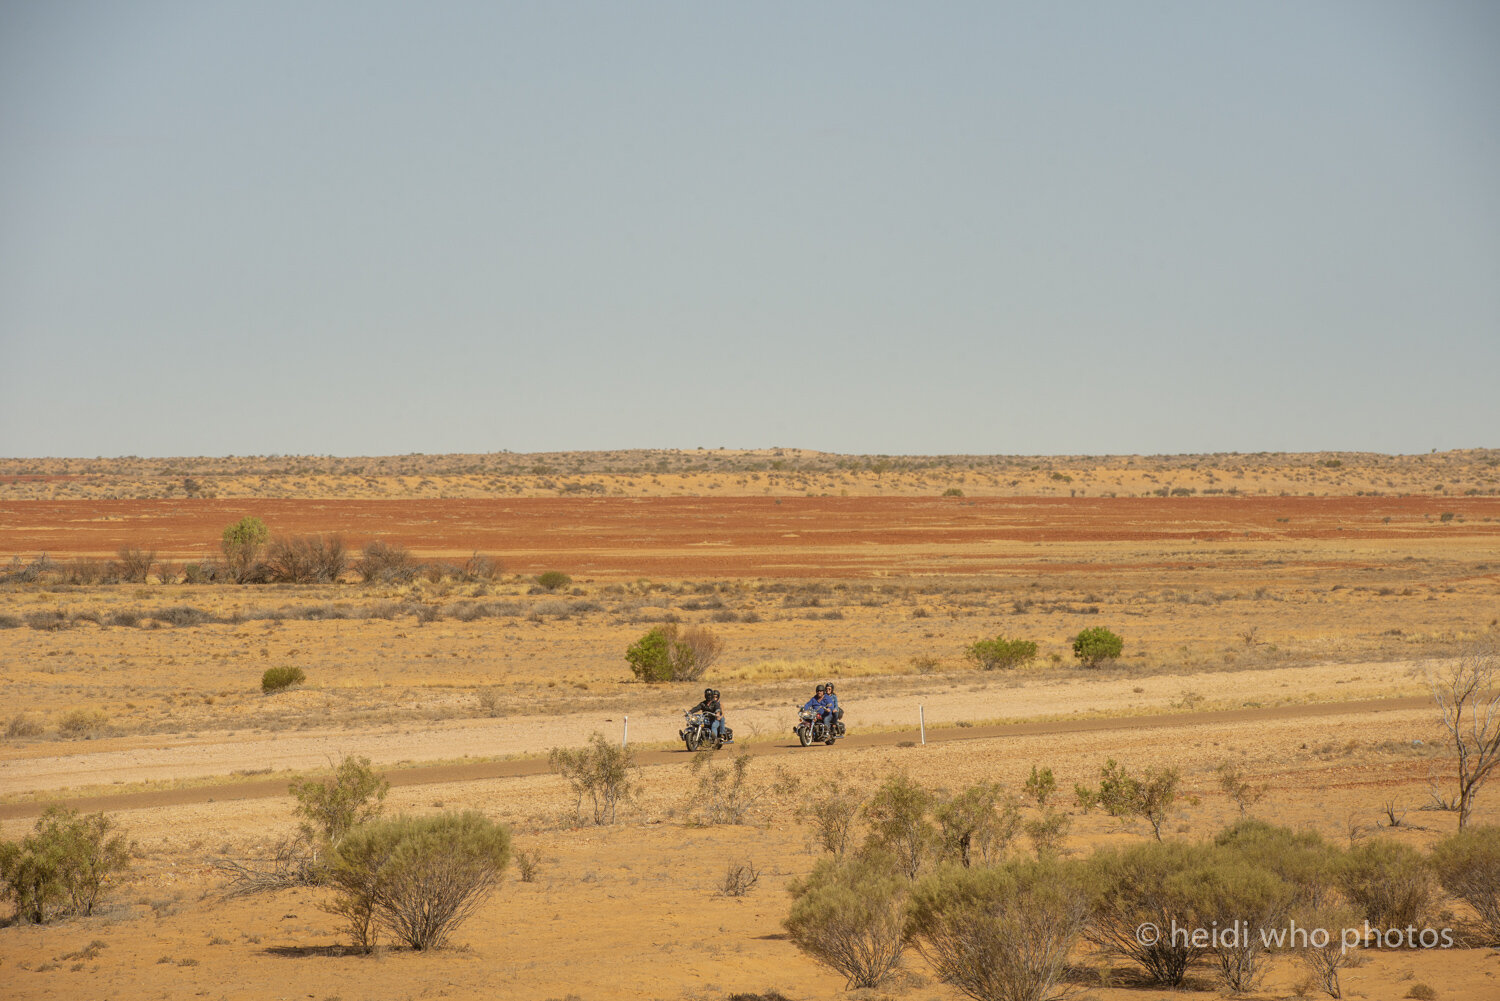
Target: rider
[(819, 702), (831, 708), (711, 708)]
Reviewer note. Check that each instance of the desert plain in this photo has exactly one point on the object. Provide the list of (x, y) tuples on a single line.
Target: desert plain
[(1282, 614)]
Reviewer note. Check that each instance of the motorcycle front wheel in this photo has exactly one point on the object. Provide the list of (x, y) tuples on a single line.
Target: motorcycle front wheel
[(691, 740), (804, 735)]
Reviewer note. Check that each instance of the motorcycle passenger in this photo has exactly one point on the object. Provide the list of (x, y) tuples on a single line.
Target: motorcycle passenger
[(831, 706), (711, 708)]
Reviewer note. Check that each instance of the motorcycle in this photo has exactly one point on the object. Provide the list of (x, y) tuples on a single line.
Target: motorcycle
[(698, 732), (812, 728)]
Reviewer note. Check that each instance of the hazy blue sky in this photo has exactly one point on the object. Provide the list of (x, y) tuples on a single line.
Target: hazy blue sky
[(365, 227)]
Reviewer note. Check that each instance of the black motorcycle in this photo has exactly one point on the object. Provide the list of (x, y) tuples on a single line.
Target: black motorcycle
[(812, 728), (698, 732)]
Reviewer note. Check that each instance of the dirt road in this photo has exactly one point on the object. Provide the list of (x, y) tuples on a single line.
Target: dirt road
[(482, 770)]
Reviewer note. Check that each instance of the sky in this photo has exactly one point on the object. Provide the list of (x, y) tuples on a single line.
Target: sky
[(368, 228)]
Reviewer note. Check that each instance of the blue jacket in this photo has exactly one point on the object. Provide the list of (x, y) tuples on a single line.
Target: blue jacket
[(816, 704)]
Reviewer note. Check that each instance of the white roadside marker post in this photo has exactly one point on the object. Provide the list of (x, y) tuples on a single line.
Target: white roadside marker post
[(922, 719)]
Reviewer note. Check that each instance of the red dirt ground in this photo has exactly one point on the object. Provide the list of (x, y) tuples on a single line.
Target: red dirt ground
[(742, 537)]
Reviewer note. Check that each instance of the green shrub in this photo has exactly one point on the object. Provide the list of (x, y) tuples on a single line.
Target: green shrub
[(418, 877), (1389, 882), (23, 725), (1151, 884), (602, 771), (1123, 795), (1095, 646), (848, 915), (553, 579), (833, 820), (1307, 863), (953, 492), (979, 822), (1039, 786), (277, 678), (241, 544), (330, 808), (667, 654), (1234, 889), (1324, 958), (61, 867), (899, 828), (1000, 934), (82, 723), (1000, 652), (1467, 864)]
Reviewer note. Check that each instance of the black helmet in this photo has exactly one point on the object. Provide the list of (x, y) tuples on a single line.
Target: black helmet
[(820, 688), (709, 693), (716, 693), (828, 686)]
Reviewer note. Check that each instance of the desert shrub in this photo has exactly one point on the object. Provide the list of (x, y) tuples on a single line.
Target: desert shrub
[(1039, 786), (166, 573), (981, 821), (182, 615), (897, 815), (833, 820), (551, 580), (953, 492), (1388, 881), (1324, 958), (330, 808), (203, 572), (491, 701), (383, 563), (1094, 646), (1307, 863), (11, 622), (127, 617), (1151, 884), (82, 723), (528, 864), (307, 560), (276, 679), (848, 915), (85, 572), (23, 725), (62, 866), (1242, 793), (1002, 933), (241, 544), (667, 654), (50, 621), (601, 771), (134, 565), (1000, 652), (1467, 864), (1047, 831), (1123, 795), (740, 877), (418, 877), (1234, 889), (479, 568)]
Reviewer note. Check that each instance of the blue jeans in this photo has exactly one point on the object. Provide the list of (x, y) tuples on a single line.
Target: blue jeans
[(717, 728)]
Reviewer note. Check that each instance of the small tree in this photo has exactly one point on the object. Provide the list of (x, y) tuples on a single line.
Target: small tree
[(1123, 795), (242, 543), (1467, 865), (1000, 652), (306, 560), (1094, 646), (1388, 881), (420, 877), (1000, 934), (135, 564), (1469, 700), (602, 771), (61, 867), (898, 824), (848, 914), (333, 807), (551, 580)]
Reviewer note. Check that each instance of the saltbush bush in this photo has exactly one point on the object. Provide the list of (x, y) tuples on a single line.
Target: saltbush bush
[(1307, 863), (551, 580), (277, 678), (1000, 652), (668, 654), (602, 771), (1151, 884), (418, 877), (1389, 882), (1002, 933), (1094, 646), (849, 915)]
